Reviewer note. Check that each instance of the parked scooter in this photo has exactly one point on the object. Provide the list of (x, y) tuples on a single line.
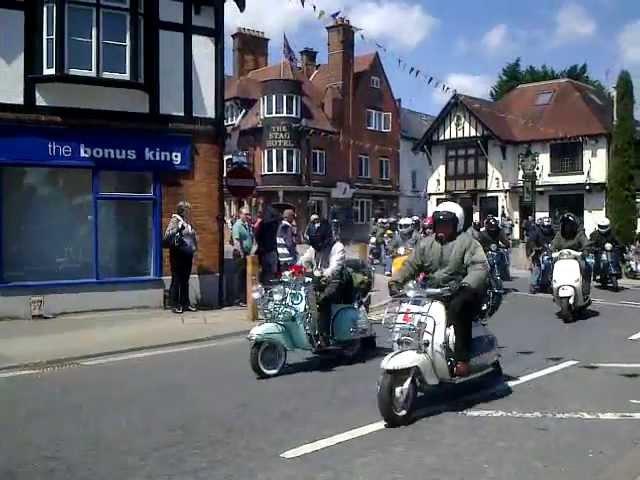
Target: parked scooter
[(567, 284), (423, 351), (632, 265), (608, 267), (288, 311)]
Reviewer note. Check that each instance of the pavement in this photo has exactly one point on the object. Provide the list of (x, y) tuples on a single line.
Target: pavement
[(568, 407)]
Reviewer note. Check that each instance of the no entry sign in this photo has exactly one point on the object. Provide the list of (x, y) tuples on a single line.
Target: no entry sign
[(240, 181)]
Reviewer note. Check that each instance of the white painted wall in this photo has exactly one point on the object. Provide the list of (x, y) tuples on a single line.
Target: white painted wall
[(469, 126), (204, 76), (170, 11), (205, 18), (11, 56), (92, 97), (171, 73)]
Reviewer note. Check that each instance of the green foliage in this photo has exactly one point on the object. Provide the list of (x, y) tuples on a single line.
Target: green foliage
[(513, 75), (621, 204)]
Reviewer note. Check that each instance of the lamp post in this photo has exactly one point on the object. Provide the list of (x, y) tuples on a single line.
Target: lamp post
[(528, 162)]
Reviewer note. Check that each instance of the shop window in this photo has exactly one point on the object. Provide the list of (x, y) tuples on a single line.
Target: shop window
[(318, 162), (466, 168), (361, 210), (380, 121), (135, 183), (281, 161), (566, 157), (100, 36), (363, 166), (47, 224), (280, 105), (385, 169)]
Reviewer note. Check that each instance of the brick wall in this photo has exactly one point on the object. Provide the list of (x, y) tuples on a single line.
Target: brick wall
[(199, 187)]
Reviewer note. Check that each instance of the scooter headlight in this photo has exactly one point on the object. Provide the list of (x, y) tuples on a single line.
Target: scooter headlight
[(401, 251), (494, 247), (411, 289), (278, 293), (608, 247), (258, 292)]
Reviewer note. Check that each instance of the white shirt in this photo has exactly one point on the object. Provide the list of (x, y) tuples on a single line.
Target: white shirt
[(318, 261)]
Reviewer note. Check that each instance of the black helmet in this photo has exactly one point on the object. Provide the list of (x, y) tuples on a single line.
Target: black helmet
[(546, 226), (321, 236), (568, 225), (476, 225), (491, 224)]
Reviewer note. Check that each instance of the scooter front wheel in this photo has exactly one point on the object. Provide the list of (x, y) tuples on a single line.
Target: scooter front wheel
[(267, 359), (565, 310), (397, 393), (614, 283)]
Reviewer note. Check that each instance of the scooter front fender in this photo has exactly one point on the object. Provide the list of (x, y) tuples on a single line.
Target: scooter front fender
[(274, 332), (407, 359)]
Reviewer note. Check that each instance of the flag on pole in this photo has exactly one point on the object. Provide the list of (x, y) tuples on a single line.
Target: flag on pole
[(288, 52), (335, 15)]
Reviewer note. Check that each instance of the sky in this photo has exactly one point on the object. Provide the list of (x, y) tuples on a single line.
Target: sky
[(465, 42)]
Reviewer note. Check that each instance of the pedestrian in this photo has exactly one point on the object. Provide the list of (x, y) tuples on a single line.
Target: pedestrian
[(266, 234), (287, 253), (181, 239), (242, 248), (314, 221)]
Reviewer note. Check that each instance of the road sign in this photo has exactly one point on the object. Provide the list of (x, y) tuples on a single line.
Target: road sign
[(240, 181)]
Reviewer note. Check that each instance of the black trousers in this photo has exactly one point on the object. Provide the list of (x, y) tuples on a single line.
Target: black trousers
[(331, 294), (463, 307), (180, 273)]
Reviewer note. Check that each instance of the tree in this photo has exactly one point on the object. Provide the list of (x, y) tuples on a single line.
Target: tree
[(621, 195), (513, 75)]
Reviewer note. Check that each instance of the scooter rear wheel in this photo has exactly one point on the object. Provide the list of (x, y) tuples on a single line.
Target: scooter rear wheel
[(396, 398)]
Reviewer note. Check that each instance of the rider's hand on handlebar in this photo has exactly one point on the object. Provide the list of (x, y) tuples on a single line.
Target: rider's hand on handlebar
[(395, 288)]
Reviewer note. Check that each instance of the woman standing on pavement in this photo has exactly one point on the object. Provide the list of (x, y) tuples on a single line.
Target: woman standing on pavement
[(181, 239)]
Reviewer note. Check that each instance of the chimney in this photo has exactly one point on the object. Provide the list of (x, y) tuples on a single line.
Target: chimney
[(340, 65), (308, 61), (250, 51)]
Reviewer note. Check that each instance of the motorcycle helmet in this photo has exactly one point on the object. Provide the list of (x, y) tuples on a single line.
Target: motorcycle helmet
[(314, 218), (416, 222), (568, 226), (321, 236), (546, 226), (491, 225), (448, 221), (405, 226), (393, 223), (476, 225), (604, 226), (381, 221)]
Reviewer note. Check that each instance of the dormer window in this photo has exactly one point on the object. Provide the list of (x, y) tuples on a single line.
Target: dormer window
[(375, 82), (98, 38), (280, 105), (544, 98)]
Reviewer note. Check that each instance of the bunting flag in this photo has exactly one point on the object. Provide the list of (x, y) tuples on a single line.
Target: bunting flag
[(302, 3), (411, 70), (430, 80)]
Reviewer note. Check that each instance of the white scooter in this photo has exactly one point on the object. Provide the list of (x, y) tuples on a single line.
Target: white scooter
[(567, 284), (423, 352)]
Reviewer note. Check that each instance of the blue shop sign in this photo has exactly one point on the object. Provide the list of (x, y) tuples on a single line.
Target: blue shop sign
[(93, 148)]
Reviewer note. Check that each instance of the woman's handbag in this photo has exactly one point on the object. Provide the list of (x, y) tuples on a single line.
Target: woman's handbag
[(185, 243)]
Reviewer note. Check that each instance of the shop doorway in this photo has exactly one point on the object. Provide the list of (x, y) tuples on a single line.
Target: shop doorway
[(525, 211)]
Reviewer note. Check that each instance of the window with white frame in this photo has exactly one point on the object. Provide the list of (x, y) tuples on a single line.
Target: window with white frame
[(318, 162), (280, 105), (102, 38), (232, 113), (281, 161), (363, 166), (385, 169), (375, 82), (361, 210), (379, 121)]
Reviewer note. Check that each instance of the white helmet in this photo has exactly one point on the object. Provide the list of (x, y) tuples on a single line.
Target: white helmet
[(405, 225), (604, 225), (451, 207)]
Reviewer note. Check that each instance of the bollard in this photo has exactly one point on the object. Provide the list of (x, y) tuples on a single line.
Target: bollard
[(362, 250), (252, 280)]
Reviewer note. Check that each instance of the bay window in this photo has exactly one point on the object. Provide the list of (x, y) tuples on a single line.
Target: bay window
[(281, 161), (280, 105), (99, 38)]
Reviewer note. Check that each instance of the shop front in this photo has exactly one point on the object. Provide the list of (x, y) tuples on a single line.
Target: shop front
[(80, 217)]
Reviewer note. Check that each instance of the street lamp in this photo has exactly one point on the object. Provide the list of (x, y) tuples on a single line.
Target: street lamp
[(528, 162)]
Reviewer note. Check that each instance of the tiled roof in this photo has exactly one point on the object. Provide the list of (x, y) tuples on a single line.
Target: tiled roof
[(413, 124)]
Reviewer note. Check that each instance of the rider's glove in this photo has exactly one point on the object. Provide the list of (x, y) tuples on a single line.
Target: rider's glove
[(394, 288), (454, 286)]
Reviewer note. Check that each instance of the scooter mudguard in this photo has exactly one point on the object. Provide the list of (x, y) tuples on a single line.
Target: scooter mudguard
[(406, 359), (273, 332)]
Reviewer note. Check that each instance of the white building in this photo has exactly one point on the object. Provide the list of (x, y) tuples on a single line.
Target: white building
[(413, 164), (474, 147)]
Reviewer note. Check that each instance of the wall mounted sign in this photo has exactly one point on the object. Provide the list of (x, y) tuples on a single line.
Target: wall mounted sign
[(95, 148), (280, 136), (240, 181)]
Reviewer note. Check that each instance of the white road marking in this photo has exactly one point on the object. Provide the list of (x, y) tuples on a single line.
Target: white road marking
[(542, 373), (558, 415), (614, 365), (634, 401), (629, 302), (374, 427), (635, 336), (151, 353), (17, 373), (334, 440)]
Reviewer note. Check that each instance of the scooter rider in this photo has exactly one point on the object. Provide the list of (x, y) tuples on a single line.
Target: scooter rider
[(493, 234), (572, 237), (603, 234), (406, 236), (326, 258), (427, 226), (540, 238), (450, 258), (417, 224)]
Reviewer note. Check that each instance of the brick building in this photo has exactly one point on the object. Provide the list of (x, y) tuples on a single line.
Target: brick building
[(110, 113), (321, 138)]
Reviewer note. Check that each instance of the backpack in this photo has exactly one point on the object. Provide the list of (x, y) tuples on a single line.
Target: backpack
[(361, 276)]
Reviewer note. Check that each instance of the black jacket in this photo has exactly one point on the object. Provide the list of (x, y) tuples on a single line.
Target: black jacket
[(597, 240), (537, 239), (486, 239), (268, 231)]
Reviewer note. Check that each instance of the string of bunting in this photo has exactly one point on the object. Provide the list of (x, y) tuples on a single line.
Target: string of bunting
[(414, 71), (309, 131)]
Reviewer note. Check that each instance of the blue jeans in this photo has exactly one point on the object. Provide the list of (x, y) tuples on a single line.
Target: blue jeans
[(388, 260)]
